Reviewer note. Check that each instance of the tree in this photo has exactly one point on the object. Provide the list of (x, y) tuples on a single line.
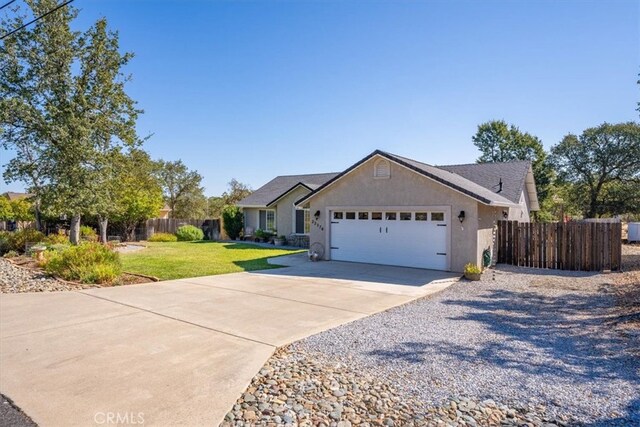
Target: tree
[(181, 188), (6, 213), (500, 142), (232, 221), (602, 164), (236, 192), (36, 73), (64, 110), (138, 196), (22, 211)]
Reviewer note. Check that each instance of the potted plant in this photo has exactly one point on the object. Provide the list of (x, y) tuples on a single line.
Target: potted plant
[(279, 240), (472, 272)]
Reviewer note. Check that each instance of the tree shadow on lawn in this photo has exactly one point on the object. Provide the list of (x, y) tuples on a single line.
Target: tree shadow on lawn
[(257, 264), (569, 331), (244, 246)]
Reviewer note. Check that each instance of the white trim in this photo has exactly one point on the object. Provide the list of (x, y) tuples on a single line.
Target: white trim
[(293, 228), (275, 202)]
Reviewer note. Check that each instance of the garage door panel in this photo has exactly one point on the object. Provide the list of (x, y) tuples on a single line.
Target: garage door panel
[(411, 243)]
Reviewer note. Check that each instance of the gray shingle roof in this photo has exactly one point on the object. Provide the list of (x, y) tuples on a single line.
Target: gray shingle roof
[(281, 185), (488, 175), (483, 194)]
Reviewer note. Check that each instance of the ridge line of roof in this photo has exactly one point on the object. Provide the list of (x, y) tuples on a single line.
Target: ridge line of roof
[(483, 163)]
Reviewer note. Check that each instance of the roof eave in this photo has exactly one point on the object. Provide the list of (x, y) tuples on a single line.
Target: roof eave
[(240, 205), (410, 167), (276, 200)]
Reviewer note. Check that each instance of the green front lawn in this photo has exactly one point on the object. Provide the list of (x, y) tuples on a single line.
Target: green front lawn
[(177, 260)]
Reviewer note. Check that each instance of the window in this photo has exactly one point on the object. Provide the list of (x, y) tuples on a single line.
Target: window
[(382, 169), (267, 219), (377, 216), (363, 215), (303, 221), (405, 216), (351, 215), (390, 216), (437, 216), (422, 216), (337, 215)]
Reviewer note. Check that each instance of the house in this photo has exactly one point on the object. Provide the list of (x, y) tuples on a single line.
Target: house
[(388, 209), (272, 206), (12, 195), (164, 212)]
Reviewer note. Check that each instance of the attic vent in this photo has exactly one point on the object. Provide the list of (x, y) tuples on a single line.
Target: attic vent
[(382, 169)]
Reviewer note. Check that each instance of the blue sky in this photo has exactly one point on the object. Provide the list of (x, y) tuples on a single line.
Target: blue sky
[(250, 90)]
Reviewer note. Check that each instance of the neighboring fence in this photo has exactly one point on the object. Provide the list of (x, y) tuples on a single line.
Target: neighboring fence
[(210, 227), (586, 246)]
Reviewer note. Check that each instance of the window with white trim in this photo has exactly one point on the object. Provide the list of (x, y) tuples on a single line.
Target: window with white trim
[(303, 221), (267, 219)]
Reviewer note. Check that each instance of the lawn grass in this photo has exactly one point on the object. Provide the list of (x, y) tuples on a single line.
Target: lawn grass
[(177, 260)]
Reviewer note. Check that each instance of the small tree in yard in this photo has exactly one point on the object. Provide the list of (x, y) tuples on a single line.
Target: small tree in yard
[(6, 213), (22, 212), (232, 221)]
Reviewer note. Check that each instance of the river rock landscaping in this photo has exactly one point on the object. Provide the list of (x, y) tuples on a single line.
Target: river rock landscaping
[(521, 347), (307, 389), (16, 279)]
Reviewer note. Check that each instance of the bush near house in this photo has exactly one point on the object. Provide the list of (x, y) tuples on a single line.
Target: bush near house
[(232, 221), (88, 262), (188, 233), (163, 237)]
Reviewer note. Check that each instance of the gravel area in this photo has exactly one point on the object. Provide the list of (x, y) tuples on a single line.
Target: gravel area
[(15, 279), (521, 337), (12, 416), (297, 388)]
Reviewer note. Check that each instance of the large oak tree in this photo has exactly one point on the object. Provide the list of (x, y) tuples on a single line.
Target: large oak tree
[(603, 165), (64, 110)]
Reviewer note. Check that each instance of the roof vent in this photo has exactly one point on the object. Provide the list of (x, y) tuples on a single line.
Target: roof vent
[(382, 169), (500, 186)]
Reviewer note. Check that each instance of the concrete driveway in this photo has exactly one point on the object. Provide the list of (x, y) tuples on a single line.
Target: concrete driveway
[(178, 352)]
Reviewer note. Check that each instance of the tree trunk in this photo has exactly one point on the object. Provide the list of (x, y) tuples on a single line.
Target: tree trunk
[(74, 230), (102, 225), (131, 233), (38, 216)]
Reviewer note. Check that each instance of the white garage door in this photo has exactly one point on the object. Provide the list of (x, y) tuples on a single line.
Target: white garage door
[(405, 238)]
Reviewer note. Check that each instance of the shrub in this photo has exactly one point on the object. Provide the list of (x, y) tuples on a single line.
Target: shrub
[(56, 239), (163, 237), (89, 234), (88, 262), (188, 233), (232, 221), (11, 254), (18, 240), (472, 269), (4, 242)]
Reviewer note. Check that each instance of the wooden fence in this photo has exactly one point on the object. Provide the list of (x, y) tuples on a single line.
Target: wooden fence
[(211, 227), (585, 246)]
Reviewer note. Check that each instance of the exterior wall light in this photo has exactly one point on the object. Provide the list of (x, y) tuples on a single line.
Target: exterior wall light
[(461, 216), (316, 215)]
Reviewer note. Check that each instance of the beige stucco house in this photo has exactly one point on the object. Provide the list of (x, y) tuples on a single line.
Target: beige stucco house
[(388, 209), (272, 206)]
